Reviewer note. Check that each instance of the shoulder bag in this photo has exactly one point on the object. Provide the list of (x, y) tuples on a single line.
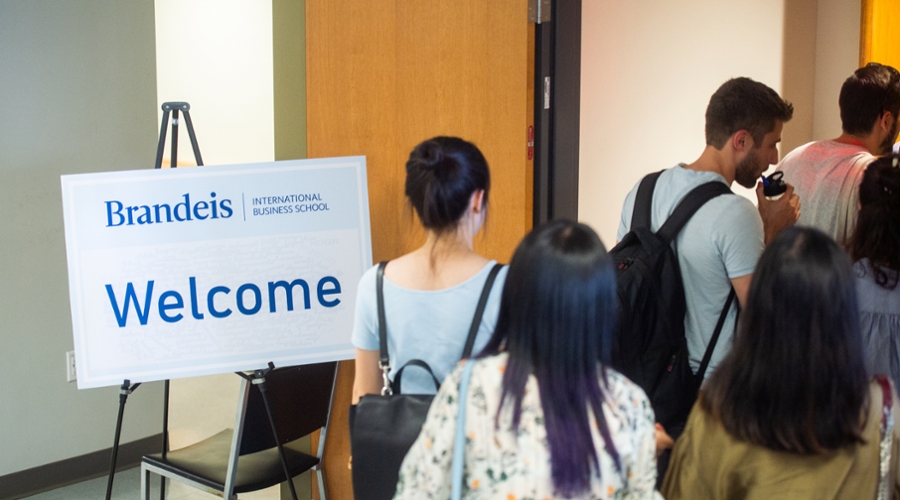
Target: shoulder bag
[(459, 439), (383, 427)]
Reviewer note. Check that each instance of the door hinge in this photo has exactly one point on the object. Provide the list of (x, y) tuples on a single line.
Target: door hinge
[(539, 11), (546, 92)]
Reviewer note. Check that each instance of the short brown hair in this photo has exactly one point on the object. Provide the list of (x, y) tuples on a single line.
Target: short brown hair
[(744, 104)]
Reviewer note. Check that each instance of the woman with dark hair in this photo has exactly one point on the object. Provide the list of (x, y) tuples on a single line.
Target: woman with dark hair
[(875, 249), (430, 294), (545, 416), (790, 412)]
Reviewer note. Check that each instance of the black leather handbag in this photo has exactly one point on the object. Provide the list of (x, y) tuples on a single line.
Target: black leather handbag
[(384, 427)]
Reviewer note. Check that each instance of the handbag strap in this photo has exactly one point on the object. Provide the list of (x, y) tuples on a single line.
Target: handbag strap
[(398, 377), (384, 363), (707, 356), (887, 433), (459, 440)]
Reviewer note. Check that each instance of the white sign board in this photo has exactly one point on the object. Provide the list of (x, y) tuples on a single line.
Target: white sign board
[(184, 272)]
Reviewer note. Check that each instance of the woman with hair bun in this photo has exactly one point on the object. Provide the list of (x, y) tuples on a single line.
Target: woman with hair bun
[(430, 294), (875, 250)]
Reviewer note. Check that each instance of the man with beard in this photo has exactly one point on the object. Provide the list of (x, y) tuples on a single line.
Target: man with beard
[(826, 174), (718, 247)]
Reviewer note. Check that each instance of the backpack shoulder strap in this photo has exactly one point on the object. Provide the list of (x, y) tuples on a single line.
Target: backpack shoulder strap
[(707, 356), (479, 311), (643, 201), (686, 208)]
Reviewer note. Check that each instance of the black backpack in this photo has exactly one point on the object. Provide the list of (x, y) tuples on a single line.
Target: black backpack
[(649, 345)]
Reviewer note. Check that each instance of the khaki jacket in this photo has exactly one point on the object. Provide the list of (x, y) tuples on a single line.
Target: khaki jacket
[(708, 463)]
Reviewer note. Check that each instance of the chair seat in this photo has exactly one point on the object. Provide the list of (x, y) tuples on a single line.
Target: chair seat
[(206, 462)]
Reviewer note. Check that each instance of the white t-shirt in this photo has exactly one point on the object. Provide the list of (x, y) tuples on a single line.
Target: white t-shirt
[(431, 325), (826, 176), (723, 240)]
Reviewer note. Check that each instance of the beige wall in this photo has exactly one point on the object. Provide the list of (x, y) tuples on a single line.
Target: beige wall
[(649, 68), (217, 56)]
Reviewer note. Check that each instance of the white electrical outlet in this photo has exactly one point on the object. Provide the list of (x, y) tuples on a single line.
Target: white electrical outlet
[(70, 366)]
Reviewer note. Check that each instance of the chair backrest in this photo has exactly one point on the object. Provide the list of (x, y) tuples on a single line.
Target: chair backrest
[(300, 398)]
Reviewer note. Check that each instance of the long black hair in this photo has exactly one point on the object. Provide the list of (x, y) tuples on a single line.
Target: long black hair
[(877, 233), (556, 320), (795, 379)]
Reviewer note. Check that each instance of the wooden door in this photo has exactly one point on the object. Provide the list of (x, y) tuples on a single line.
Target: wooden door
[(879, 39), (383, 75)]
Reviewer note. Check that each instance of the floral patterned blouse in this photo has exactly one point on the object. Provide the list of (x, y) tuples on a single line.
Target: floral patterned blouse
[(507, 465)]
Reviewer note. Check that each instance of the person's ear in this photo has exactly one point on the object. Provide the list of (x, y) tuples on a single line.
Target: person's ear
[(742, 141), (886, 121), (478, 201)]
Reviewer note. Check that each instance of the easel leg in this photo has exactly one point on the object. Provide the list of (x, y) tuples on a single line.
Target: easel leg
[(165, 439), (124, 391), (259, 378)]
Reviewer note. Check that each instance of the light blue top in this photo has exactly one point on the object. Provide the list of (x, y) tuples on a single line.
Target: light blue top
[(879, 315), (429, 325), (723, 240)]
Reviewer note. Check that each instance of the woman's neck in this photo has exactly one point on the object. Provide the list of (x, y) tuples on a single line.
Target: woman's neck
[(451, 244)]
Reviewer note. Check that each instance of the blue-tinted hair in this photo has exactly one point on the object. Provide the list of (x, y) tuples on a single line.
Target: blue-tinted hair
[(556, 321)]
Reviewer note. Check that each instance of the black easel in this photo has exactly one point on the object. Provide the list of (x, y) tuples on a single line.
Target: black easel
[(174, 108), (127, 388), (259, 378)]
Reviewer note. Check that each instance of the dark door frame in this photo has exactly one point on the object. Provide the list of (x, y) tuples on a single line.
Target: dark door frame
[(557, 109)]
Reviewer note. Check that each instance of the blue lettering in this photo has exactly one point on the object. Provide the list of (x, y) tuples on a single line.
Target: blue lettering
[(130, 297), (201, 205), (145, 218), (322, 292), (210, 301), (215, 214), (168, 212), (131, 211), (186, 205), (225, 206), (257, 297), (117, 212), (194, 311), (288, 293), (163, 307)]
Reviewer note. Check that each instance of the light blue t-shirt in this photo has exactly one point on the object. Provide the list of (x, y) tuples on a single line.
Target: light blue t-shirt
[(430, 325), (723, 240)]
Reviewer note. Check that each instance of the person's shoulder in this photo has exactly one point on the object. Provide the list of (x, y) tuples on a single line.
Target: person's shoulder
[(827, 150), (501, 274), (733, 205), (799, 151), (621, 386), (369, 276)]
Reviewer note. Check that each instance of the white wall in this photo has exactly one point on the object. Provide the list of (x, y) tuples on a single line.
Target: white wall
[(77, 94), (649, 68), (837, 56), (217, 56)]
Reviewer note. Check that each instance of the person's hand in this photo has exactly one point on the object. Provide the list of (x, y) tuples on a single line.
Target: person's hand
[(663, 440), (777, 214)]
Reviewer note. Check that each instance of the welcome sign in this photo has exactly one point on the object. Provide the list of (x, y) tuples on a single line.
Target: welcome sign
[(184, 272)]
